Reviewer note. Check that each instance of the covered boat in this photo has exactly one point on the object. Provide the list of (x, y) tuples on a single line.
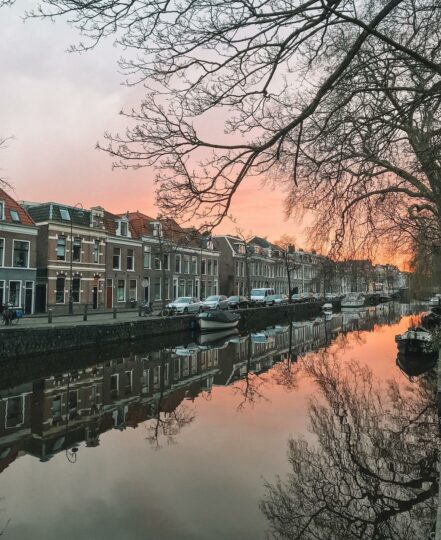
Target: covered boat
[(217, 320), (353, 300), (416, 340)]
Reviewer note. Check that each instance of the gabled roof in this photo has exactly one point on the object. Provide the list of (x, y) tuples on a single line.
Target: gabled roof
[(110, 224), (172, 231), (11, 204)]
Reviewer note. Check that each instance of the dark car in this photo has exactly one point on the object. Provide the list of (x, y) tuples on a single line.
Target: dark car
[(235, 302)]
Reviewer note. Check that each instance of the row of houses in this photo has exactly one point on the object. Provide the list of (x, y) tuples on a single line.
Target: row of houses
[(59, 256)]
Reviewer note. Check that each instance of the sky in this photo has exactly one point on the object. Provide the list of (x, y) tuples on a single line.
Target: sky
[(57, 105)]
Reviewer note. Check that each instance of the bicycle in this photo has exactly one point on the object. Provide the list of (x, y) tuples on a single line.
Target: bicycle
[(145, 309), (11, 315)]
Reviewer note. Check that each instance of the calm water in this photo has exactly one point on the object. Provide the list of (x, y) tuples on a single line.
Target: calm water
[(187, 442)]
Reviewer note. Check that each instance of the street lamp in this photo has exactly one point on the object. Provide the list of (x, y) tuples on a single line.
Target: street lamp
[(80, 214)]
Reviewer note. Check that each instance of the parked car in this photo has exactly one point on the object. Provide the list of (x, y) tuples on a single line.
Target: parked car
[(260, 295), (317, 296), (300, 297), (276, 299), (235, 302), (186, 304), (331, 296), (215, 302)]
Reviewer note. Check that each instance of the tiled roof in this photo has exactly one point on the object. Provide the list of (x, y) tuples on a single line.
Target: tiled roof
[(172, 231), (11, 204), (110, 224)]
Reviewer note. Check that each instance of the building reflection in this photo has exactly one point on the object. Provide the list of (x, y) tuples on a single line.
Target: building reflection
[(59, 412)]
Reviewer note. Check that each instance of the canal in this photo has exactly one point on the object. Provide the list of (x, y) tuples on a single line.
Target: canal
[(308, 428)]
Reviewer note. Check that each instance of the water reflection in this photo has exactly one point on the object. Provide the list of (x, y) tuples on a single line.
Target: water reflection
[(372, 472), (59, 413)]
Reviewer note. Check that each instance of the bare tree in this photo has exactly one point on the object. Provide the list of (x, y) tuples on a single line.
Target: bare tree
[(339, 99), (373, 472)]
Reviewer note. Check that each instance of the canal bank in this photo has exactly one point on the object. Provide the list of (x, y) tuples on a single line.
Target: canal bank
[(16, 341)]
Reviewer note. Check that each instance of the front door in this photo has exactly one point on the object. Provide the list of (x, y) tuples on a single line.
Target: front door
[(95, 297), (109, 293), (29, 288)]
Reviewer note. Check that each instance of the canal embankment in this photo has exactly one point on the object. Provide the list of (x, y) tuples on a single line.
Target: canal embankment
[(27, 340)]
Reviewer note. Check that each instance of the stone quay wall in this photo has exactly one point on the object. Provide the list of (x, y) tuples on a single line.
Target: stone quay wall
[(16, 341)]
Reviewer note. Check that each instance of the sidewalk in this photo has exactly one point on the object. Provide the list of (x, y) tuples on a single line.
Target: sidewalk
[(76, 320)]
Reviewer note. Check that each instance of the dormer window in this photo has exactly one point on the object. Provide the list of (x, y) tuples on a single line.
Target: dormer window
[(2, 210), (157, 228), (15, 216), (123, 228), (240, 248), (64, 213)]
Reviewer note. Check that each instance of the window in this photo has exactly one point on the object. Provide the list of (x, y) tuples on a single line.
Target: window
[(76, 250), (2, 292), (215, 267), (76, 285), (130, 259), (15, 216), (194, 265), (166, 374), (96, 251), (147, 257), (114, 385), (14, 411), (59, 290), (116, 258), (190, 287), (2, 251), (157, 262), (186, 264), (156, 377), (166, 261), (121, 291), (209, 267), (123, 228), (178, 264), (181, 291), (157, 229), (204, 266), (15, 293), (145, 381), (56, 407), (2, 210), (20, 256), (132, 289), (72, 400), (129, 377), (64, 213), (157, 290), (61, 248)]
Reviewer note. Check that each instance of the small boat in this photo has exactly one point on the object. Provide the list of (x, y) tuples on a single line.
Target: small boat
[(353, 300), (385, 297), (327, 307), (413, 366), (217, 320), (416, 340), (217, 340)]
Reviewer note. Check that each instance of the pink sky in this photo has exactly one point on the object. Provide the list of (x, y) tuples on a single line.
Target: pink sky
[(57, 105)]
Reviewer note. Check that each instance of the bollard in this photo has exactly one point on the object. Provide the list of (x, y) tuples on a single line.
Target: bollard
[(49, 316), (85, 313), (139, 311), (114, 312)]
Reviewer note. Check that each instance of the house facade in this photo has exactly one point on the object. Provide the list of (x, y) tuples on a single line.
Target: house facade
[(266, 265), (18, 255), (70, 256)]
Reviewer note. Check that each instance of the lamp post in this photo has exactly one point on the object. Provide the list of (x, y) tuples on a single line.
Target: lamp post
[(80, 214)]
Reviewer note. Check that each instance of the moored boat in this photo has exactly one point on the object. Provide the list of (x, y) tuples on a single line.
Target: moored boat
[(217, 320), (353, 300), (327, 308), (416, 340), (435, 300)]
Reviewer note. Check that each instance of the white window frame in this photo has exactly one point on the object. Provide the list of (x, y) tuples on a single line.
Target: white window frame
[(19, 289), (136, 289), (117, 289), (120, 256), (2, 210), (22, 411), (147, 249), (133, 259), (178, 257), (29, 253)]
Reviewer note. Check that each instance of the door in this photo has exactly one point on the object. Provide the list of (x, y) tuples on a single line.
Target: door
[(95, 297), (40, 298), (109, 293), (29, 288)]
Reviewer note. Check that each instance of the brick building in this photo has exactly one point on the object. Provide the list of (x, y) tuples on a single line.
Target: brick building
[(18, 254)]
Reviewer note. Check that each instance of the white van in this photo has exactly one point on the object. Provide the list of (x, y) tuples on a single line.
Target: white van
[(259, 296)]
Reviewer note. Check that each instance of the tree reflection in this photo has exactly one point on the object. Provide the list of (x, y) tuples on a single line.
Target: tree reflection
[(167, 425), (372, 473)]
